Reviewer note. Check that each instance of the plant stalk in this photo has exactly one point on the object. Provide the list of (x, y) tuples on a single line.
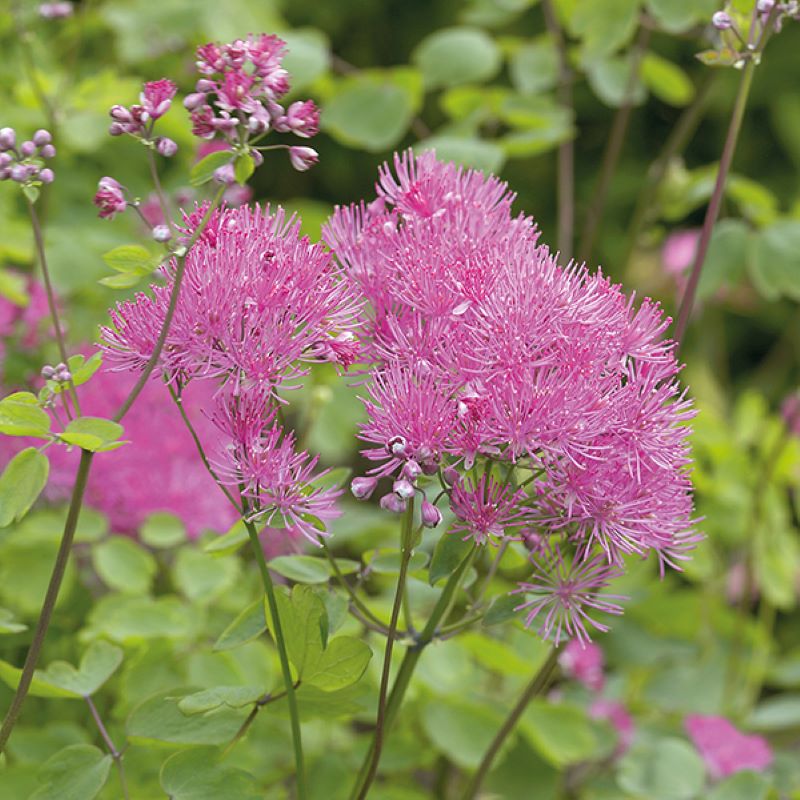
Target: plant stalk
[(280, 642), (533, 689)]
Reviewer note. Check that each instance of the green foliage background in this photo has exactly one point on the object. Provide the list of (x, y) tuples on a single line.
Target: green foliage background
[(168, 636)]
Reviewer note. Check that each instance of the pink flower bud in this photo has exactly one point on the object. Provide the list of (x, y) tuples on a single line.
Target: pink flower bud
[(48, 372), (19, 173), (451, 476), (47, 151), (47, 175), (5, 159), (721, 21), (156, 97), (225, 174), (8, 138), (411, 471), (120, 114), (194, 101), (391, 502), (362, 488), (27, 148), (109, 198), (42, 137), (302, 119), (431, 516), (403, 489), (116, 129), (162, 233), (166, 147), (396, 445), (303, 158)]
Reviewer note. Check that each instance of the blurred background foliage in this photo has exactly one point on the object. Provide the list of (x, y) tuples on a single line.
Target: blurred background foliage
[(479, 80)]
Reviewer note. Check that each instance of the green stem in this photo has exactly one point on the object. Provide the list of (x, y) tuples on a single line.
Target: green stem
[(51, 298), (57, 576), (533, 689), (109, 742), (412, 656), (407, 552), (712, 213), (166, 211), (280, 642)]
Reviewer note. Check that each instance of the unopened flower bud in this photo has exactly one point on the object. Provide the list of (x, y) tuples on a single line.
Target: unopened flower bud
[(765, 6), (404, 489), (451, 476), (120, 114), (411, 471), (431, 516), (166, 147), (303, 158), (116, 129), (204, 85), (162, 233), (5, 159), (47, 175), (194, 101), (396, 445), (47, 151), (258, 157), (27, 148), (362, 488), (721, 21), (391, 502), (42, 137), (48, 372), (225, 174), (19, 173), (8, 138)]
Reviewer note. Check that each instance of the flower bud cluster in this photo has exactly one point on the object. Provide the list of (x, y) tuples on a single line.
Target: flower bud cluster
[(25, 162), (155, 100), (237, 98), (59, 373)]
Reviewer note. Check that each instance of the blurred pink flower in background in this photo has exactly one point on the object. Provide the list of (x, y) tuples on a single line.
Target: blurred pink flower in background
[(724, 748), (616, 714), (583, 663), (679, 250)]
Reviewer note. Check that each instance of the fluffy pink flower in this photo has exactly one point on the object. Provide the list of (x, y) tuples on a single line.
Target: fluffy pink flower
[(156, 97), (679, 250), (565, 594), (487, 510), (583, 663), (724, 748)]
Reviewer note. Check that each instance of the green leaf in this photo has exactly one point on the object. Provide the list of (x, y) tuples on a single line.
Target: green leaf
[(21, 415), (93, 433), (308, 56), (726, 259), (667, 81), (449, 552), (610, 81), (248, 625), (742, 786), (668, 769), (780, 712), (39, 687), (131, 259), (501, 609), (369, 111), (677, 16), (230, 542), (473, 153), (202, 578), (159, 719), (77, 772), (124, 565), (218, 696), (305, 627), (534, 66), (7, 624), (724, 57), (31, 192), (21, 484), (387, 562), (203, 171), (243, 168), (604, 25), (99, 663), (775, 265), (561, 734), (460, 731), (343, 662), (452, 56), (120, 281), (302, 569), (130, 618), (81, 369), (163, 531), (198, 775)]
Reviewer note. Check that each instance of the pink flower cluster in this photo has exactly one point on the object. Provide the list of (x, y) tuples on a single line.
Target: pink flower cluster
[(237, 96), (724, 748), (490, 358), (155, 100), (258, 304), (25, 162)]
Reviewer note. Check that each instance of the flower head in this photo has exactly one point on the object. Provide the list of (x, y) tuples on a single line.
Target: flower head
[(156, 97), (109, 198), (486, 510), (724, 748)]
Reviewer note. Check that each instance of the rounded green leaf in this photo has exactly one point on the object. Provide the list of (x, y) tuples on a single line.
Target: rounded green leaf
[(21, 415), (742, 786), (302, 569), (387, 562), (775, 265), (562, 734), (21, 484), (99, 663), (162, 530), (124, 565), (248, 625), (198, 775), (77, 772), (218, 696), (307, 57), (461, 732), (93, 433), (201, 577), (449, 552), (667, 81), (474, 153), (342, 663), (204, 170), (230, 542), (457, 55), (726, 259), (668, 769), (534, 67)]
